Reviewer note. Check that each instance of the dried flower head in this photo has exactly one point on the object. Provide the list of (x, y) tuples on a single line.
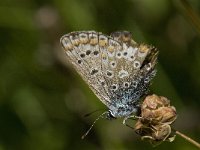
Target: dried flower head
[(156, 117)]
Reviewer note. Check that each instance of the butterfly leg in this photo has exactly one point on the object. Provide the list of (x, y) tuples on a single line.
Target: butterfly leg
[(134, 117), (124, 122), (130, 117)]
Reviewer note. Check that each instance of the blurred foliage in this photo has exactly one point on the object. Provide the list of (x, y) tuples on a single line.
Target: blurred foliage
[(43, 100)]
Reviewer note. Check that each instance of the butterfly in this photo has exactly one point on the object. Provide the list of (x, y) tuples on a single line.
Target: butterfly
[(116, 68)]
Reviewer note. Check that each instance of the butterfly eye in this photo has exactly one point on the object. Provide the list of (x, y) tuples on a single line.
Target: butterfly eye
[(111, 66)]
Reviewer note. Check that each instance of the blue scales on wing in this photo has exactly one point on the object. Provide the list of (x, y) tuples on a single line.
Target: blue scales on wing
[(117, 69)]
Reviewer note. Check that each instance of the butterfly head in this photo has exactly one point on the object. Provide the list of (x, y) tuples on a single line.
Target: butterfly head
[(122, 110), (109, 115), (116, 68)]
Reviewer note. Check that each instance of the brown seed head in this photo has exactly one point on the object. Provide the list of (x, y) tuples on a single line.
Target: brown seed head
[(156, 117)]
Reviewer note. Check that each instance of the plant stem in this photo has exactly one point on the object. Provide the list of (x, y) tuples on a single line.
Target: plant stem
[(192, 15), (187, 138)]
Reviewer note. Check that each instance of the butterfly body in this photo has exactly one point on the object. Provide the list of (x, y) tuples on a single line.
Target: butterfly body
[(116, 68)]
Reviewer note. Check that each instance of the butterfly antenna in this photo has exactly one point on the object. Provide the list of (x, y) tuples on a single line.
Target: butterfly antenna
[(100, 116)]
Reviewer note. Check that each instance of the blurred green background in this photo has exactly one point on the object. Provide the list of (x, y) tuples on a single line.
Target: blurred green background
[(42, 99)]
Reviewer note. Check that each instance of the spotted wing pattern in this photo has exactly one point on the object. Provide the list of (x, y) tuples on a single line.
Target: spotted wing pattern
[(117, 69)]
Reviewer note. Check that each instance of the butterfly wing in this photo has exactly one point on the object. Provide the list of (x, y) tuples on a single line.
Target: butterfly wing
[(115, 67), (128, 70), (84, 51)]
